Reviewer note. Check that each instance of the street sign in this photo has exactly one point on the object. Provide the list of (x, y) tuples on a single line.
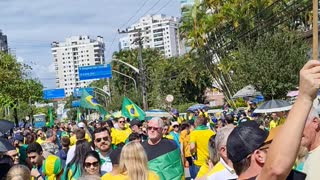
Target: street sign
[(77, 92), (49, 94), (75, 103), (95, 72)]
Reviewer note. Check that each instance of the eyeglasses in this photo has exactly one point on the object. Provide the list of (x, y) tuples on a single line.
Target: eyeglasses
[(120, 121), (107, 138), (88, 164), (154, 128)]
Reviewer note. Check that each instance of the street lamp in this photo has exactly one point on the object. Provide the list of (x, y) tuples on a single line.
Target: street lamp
[(127, 64), (135, 83)]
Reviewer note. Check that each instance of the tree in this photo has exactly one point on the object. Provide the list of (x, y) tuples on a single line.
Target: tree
[(213, 27), (271, 64), (182, 77), (16, 85)]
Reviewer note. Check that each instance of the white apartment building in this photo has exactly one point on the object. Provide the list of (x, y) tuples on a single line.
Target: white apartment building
[(124, 43), (76, 51), (158, 31)]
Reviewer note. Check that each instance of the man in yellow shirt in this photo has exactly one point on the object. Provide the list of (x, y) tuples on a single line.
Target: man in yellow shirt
[(199, 139), (277, 119), (120, 135), (87, 137), (41, 137)]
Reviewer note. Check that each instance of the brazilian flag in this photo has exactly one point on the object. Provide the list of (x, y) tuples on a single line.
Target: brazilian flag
[(131, 110), (87, 101)]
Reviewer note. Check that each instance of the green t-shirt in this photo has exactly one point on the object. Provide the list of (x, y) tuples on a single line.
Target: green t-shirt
[(23, 154)]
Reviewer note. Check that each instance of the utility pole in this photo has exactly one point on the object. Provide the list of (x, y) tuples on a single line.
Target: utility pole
[(142, 73)]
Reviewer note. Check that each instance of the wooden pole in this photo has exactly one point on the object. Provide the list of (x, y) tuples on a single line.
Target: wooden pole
[(315, 30)]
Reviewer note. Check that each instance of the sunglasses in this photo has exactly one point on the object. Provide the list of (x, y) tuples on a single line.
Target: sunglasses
[(107, 138), (121, 121), (94, 164), (175, 126), (154, 128), (39, 134)]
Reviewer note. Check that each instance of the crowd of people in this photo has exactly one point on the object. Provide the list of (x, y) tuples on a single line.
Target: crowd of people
[(231, 147)]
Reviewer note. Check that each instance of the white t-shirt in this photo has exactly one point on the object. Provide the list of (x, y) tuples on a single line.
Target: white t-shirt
[(312, 164), (70, 154)]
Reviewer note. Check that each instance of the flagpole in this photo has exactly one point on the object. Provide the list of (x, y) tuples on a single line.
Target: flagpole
[(315, 30)]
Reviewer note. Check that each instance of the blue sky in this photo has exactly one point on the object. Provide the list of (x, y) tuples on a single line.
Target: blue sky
[(32, 25)]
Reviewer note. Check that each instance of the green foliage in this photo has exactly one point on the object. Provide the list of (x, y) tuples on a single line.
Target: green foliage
[(238, 103), (212, 28), (18, 91), (184, 106), (182, 77), (271, 64)]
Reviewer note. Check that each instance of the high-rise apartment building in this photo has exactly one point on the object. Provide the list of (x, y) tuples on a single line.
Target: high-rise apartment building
[(3, 43), (186, 5), (76, 51), (158, 31)]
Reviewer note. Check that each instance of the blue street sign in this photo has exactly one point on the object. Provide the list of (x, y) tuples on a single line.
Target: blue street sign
[(77, 92), (95, 72), (75, 103), (53, 94)]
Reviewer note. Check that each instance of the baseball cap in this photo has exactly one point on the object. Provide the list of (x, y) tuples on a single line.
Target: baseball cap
[(244, 140), (81, 125), (175, 123), (135, 122)]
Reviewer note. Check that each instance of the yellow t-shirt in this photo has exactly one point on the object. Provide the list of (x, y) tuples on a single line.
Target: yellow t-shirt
[(185, 141), (201, 140), (40, 141), (203, 170), (120, 136), (272, 124), (217, 168), (151, 176), (169, 136), (73, 139)]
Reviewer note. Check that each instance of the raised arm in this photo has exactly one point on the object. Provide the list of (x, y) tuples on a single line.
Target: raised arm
[(284, 148)]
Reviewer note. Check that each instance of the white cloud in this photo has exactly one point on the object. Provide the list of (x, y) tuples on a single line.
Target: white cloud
[(32, 26), (20, 59)]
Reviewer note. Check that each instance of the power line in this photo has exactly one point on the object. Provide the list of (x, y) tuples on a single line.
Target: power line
[(138, 10), (154, 5), (165, 5), (116, 34)]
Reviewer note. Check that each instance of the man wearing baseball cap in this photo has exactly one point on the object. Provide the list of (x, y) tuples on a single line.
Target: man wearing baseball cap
[(247, 146)]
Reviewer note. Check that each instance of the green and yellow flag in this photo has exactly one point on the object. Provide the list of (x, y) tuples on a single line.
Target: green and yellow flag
[(131, 110), (87, 101)]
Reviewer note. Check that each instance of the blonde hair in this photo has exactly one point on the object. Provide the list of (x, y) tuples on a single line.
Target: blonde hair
[(18, 172), (133, 161)]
